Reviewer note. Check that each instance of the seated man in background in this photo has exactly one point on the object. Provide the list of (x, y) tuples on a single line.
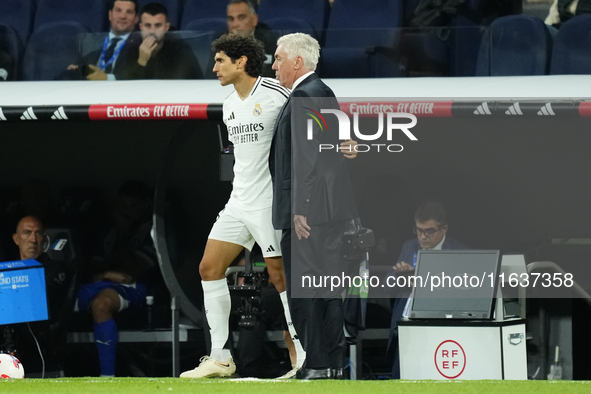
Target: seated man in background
[(30, 238), (431, 225), (161, 55), (110, 62), (120, 274), (243, 19)]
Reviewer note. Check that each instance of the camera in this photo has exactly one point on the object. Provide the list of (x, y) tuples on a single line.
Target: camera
[(356, 245), (245, 292)]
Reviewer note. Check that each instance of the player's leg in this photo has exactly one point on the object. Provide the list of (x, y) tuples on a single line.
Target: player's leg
[(217, 257), (103, 306), (103, 301), (277, 277)]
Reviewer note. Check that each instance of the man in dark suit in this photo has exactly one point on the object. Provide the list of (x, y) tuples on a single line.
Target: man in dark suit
[(318, 185), (431, 225), (116, 53)]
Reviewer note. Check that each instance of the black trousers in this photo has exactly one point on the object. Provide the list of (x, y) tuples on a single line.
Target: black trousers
[(317, 318)]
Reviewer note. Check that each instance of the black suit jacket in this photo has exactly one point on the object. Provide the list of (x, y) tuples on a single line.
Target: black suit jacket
[(321, 187), (125, 61)]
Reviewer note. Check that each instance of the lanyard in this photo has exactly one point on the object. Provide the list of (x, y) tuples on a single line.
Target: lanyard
[(102, 64)]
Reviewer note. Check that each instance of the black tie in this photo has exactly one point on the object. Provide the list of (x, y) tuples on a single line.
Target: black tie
[(110, 51)]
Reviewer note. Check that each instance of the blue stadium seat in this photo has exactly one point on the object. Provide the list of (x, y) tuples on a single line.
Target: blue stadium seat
[(409, 7), (11, 44), (315, 12), (174, 8), (571, 47), (283, 26), (354, 28), (465, 39), (515, 45), (200, 42), (90, 13), (215, 25), (19, 15), (202, 9), (51, 49)]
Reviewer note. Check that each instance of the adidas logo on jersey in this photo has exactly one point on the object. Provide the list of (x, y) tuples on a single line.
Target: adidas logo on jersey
[(270, 249), (231, 117)]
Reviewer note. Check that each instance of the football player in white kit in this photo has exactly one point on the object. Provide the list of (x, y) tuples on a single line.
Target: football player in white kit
[(249, 113)]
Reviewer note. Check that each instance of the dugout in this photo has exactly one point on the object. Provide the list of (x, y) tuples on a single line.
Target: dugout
[(508, 156)]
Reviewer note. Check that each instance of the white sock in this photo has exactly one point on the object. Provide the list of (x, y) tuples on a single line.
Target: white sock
[(300, 353), (216, 297)]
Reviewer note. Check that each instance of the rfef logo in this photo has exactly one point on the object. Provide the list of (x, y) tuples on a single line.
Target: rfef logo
[(450, 359)]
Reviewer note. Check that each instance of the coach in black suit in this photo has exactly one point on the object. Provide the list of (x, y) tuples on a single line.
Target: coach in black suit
[(318, 185)]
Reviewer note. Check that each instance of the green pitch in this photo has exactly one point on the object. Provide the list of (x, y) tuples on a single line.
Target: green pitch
[(252, 386)]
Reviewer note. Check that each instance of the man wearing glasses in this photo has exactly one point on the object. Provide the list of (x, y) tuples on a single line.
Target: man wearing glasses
[(431, 227)]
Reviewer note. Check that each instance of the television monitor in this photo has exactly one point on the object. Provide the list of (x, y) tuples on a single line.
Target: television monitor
[(457, 284)]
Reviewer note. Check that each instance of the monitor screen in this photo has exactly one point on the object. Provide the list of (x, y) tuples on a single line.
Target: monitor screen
[(456, 284)]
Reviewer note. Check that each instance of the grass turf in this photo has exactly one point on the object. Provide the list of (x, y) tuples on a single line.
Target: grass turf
[(249, 386)]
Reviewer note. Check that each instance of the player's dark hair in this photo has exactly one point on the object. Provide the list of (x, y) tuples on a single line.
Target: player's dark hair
[(431, 210), (112, 4), (154, 9), (237, 45)]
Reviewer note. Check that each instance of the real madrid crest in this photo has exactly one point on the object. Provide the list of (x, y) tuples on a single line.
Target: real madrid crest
[(258, 110)]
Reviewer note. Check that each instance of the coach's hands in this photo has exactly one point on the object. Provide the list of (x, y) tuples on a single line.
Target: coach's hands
[(301, 226)]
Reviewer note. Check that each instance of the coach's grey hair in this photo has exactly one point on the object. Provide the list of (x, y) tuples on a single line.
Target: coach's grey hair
[(304, 45)]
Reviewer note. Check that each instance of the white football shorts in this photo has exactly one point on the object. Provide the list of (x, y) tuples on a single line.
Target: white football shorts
[(247, 227)]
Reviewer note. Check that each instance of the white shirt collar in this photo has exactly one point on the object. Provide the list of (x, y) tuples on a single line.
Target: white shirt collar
[(439, 246), (123, 37), (300, 79)]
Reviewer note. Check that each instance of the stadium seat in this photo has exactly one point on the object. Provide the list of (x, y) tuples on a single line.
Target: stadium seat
[(11, 44), (172, 6), (207, 24), (19, 15), (283, 26), (354, 29), (90, 13), (315, 12), (202, 9), (515, 45), (51, 49), (571, 53), (200, 42), (465, 39), (200, 33), (409, 7)]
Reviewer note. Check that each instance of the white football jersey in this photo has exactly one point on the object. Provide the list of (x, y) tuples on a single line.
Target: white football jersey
[(250, 124)]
